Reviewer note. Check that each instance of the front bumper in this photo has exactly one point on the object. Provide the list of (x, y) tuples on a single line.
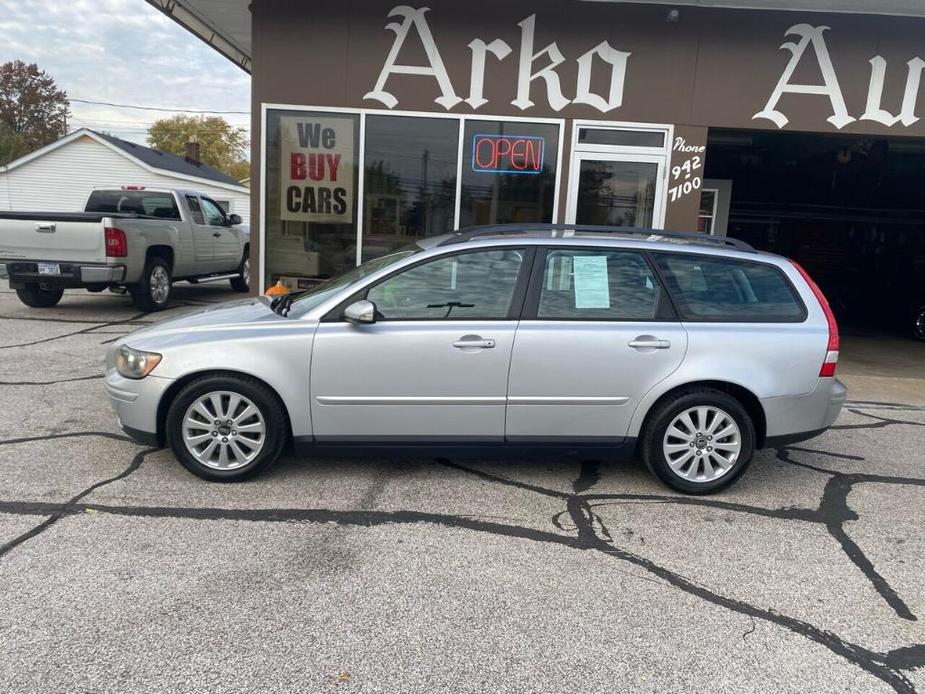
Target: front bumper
[(797, 418), (72, 275), (136, 403)]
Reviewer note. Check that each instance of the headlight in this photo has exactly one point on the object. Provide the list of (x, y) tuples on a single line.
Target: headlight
[(133, 363)]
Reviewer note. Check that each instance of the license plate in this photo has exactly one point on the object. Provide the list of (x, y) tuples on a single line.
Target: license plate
[(49, 269)]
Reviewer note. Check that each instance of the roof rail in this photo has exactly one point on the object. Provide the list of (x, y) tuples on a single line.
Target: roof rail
[(472, 232)]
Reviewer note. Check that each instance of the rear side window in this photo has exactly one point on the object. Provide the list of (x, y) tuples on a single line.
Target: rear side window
[(194, 209), (588, 284), (721, 289)]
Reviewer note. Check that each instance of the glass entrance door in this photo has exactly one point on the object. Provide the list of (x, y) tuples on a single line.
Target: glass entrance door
[(616, 190)]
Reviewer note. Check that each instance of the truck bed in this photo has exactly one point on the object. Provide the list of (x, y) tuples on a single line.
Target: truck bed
[(65, 216)]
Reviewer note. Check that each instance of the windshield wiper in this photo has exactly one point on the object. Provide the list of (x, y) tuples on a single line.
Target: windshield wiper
[(282, 304), (449, 306)]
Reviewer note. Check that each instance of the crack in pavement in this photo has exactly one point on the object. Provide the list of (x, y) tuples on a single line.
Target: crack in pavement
[(64, 509), (93, 327), (586, 532), (51, 383)]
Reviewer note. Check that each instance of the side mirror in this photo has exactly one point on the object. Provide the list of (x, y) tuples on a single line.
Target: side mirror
[(235, 219), (362, 311)]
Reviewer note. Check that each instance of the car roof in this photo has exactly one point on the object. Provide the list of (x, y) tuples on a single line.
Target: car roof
[(565, 234)]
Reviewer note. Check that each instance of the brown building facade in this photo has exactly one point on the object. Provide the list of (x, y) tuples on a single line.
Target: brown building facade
[(377, 123)]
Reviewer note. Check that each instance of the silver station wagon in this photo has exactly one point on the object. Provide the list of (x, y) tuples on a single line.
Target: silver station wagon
[(687, 350)]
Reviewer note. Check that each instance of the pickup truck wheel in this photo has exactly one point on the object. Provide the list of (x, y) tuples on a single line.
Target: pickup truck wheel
[(153, 292), (699, 441), (242, 283), (226, 428), (35, 296)]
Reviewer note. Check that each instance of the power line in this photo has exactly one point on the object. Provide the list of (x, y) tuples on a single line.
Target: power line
[(140, 124), (156, 108)]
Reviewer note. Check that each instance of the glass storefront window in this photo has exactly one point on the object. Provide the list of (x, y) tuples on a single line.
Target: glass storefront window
[(707, 213), (311, 196), (409, 189), (508, 172), (414, 184)]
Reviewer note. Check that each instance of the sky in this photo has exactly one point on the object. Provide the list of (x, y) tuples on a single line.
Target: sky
[(123, 52)]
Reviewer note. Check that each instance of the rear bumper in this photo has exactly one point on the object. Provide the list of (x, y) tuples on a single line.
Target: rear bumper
[(23, 272), (797, 418)]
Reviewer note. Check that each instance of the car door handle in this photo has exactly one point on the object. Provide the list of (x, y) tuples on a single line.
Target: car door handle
[(48, 228), (470, 342), (649, 343), (216, 234)]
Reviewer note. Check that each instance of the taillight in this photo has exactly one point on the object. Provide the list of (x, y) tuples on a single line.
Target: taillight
[(831, 354), (116, 246)]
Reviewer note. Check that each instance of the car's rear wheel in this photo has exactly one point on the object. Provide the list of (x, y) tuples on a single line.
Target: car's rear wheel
[(153, 292), (34, 295), (242, 281), (226, 428), (919, 324), (699, 441)]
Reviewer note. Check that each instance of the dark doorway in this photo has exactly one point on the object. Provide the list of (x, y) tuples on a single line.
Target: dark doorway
[(851, 210)]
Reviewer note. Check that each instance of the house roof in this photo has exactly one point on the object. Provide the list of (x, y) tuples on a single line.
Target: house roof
[(226, 24), (152, 159), (169, 162)]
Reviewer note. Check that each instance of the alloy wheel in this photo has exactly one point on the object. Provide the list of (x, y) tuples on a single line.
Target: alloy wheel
[(159, 284), (223, 430), (702, 443)]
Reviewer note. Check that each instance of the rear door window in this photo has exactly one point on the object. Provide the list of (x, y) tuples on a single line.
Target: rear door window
[(604, 285), (194, 209), (722, 289)]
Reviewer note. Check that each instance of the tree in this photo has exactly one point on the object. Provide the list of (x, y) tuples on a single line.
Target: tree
[(220, 144), (33, 111)]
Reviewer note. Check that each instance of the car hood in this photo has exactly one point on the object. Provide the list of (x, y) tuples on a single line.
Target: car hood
[(235, 314)]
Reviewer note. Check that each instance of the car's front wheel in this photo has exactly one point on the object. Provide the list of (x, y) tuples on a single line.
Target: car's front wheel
[(242, 281), (226, 427), (698, 441)]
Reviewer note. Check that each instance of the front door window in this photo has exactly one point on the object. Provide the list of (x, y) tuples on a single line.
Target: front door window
[(478, 285)]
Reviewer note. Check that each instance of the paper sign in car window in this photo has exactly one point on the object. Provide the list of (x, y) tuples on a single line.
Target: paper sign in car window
[(592, 290)]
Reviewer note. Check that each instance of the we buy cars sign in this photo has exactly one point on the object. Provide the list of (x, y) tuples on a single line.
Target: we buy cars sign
[(317, 169)]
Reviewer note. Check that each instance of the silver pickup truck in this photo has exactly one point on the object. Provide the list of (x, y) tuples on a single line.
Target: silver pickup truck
[(134, 238)]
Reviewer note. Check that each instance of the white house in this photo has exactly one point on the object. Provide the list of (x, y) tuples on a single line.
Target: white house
[(60, 176)]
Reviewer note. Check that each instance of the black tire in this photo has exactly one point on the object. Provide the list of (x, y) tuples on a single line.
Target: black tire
[(918, 324), (241, 283), (142, 292), (660, 418), (268, 404), (33, 295)]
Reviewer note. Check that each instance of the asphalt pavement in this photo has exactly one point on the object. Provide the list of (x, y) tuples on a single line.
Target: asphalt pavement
[(121, 572)]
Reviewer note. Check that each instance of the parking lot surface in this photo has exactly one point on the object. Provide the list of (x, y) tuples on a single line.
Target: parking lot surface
[(119, 571)]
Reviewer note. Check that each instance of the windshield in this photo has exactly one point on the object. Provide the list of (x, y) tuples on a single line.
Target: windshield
[(309, 299)]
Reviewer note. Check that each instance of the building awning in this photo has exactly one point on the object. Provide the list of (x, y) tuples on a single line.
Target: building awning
[(223, 24), (226, 24)]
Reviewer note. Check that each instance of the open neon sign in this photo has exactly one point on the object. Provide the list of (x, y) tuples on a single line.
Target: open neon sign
[(513, 154)]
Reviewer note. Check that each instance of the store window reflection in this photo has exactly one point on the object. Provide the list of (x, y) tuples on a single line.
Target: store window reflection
[(409, 188), (508, 172), (311, 196)]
